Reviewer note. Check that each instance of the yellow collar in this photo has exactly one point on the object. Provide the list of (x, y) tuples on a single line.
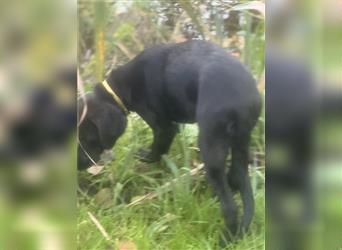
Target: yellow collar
[(115, 96)]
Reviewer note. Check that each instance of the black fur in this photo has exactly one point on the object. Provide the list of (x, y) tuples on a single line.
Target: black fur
[(291, 105), (194, 81)]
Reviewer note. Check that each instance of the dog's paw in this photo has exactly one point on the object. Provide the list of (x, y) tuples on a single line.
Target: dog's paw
[(226, 239), (146, 155)]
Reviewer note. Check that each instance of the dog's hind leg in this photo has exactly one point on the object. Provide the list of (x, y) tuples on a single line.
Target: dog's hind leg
[(214, 149), (238, 177)]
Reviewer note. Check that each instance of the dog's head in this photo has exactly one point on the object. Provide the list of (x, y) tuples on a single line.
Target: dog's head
[(104, 122)]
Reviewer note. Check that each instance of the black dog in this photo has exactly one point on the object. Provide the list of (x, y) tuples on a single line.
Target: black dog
[(291, 104), (194, 81)]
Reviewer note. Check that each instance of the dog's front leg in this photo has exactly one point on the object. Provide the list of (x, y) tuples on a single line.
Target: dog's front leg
[(163, 133), (162, 139)]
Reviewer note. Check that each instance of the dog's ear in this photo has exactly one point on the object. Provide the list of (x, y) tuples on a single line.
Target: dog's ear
[(110, 122)]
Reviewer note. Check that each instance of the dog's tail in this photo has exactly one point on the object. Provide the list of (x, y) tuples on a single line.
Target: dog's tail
[(242, 121)]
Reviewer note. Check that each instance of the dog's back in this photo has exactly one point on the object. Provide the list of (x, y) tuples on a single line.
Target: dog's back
[(193, 76)]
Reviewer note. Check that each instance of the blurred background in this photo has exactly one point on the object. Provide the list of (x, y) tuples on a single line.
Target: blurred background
[(184, 214), (303, 124), (37, 124)]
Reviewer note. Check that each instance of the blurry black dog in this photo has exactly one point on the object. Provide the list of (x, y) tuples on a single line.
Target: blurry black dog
[(49, 122), (291, 106), (194, 81)]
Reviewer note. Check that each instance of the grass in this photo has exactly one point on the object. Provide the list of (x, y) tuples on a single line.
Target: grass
[(185, 217)]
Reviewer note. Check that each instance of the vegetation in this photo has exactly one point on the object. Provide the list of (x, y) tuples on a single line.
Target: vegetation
[(183, 215)]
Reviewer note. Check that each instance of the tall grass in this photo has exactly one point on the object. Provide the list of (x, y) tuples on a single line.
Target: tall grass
[(185, 217)]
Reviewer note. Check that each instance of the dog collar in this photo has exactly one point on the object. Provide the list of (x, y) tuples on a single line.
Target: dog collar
[(115, 96)]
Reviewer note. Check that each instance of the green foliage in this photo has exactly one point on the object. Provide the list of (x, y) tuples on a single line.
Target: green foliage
[(254, 46), (187, 216), (124, 32)]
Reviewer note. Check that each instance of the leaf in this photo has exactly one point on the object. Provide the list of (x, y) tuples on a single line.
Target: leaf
[(254, 5), (95, 169), (104, 197), (171, 165), (127, 245), (124, 31)]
